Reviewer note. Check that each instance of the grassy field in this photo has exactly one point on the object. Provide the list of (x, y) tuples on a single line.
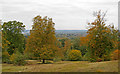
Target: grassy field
[(64, 66)]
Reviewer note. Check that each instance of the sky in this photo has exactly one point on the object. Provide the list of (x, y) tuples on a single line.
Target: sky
[(66, 14)]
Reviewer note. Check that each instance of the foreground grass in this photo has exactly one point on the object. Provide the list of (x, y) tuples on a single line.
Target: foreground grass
[(65, 66)]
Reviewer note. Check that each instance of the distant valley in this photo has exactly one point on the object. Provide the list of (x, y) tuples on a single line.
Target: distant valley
[(64, 33)]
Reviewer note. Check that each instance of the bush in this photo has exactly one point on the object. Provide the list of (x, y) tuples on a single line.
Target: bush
[(86, 57), (99, 59), (74, 55), (106, 57), (5, 57), (18, 59), (115, 55), (29, 56), (56, 59), (92, 59)]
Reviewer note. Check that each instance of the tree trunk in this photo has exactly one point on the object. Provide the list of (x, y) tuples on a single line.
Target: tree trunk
[(43, 60)]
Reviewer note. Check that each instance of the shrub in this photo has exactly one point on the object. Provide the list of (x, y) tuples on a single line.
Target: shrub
[(5, 57), (92, 59), (86, 57), (106, 57), (74, 55), (18, 59), (99, 59), (115, 55), (56, 59), (29, 56)]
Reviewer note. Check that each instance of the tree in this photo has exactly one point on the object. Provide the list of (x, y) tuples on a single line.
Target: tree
[(62, 41), (80, 43), (12, 37), (101, 38), (59, 53), (76, 43), (0, 28), (115, 55), (0, 40), (67, 48), (83, 45), (41, 41)]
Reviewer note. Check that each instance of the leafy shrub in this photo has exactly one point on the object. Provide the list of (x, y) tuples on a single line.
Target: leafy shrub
[(74, 55), (29, 56), (99, 59), (56, 59), (106, 57), (5, 57), (18, 59), (92, 59), (115, 55), (86, 57)]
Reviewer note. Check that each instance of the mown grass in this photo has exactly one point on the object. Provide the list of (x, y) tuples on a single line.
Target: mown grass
[(64, 66)]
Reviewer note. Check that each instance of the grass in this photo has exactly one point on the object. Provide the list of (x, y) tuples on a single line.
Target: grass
[(64, 66), (12, 68)]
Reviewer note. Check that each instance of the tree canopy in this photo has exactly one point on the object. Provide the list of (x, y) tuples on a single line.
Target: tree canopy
[(12, 37), (102, 38), (41, 41)]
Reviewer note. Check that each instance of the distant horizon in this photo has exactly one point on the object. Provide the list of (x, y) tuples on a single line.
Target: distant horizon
[(55, 29)]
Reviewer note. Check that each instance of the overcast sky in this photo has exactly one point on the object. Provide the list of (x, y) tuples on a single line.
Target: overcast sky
[(67, 14)]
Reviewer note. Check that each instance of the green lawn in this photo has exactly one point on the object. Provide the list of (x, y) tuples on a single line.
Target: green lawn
[(64, 66)]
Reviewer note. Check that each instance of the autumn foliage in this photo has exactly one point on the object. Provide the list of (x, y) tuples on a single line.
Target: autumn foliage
[(98, 45), (74, 55), (102, 38), (12, 39), (115, 55), (41, 41)]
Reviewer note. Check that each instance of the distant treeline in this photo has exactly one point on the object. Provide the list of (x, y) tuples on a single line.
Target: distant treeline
[(64, 33)]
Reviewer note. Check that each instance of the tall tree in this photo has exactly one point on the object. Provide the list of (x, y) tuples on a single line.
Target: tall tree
[(41, 41), (12, 37), (0, 40), (0, 35), (76, 43), (80, 43), (67, 48), (83, 45), (101, 38)]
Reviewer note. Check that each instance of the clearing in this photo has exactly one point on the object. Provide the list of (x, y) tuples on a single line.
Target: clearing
[(64, 66)]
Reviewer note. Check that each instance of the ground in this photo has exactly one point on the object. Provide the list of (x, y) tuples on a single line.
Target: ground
[(64, 66)]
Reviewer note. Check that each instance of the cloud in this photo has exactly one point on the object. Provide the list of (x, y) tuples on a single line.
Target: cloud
[(67, 14)]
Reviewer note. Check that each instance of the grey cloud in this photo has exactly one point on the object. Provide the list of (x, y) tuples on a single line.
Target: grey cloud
[(67, 14)]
